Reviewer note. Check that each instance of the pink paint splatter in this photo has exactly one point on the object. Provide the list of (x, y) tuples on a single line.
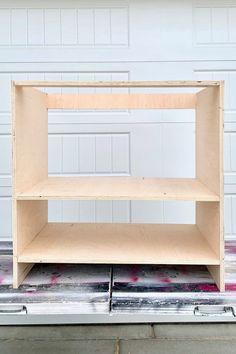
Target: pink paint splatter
[(231, 248), (165, 280), (134, 274), (208, 287), (54, 279), (230, 287), (1, 279)]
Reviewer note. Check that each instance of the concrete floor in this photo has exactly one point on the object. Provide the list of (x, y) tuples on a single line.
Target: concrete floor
[(123, 339)]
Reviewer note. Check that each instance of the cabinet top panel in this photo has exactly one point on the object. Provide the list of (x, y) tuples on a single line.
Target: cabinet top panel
[(150, 84)]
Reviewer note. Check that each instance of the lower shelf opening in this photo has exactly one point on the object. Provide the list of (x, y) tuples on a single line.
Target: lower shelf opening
[(119, 244)]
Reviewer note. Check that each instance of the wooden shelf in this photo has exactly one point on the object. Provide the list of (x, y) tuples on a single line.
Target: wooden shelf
[(119, 188), (119, 243)]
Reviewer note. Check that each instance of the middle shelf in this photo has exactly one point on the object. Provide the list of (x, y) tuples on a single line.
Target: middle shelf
[(118, 188), (119, 243)]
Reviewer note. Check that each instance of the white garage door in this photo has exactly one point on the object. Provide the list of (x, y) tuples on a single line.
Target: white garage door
[(119, 40)]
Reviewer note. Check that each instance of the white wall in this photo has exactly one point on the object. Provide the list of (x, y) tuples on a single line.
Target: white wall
[(119, 40)]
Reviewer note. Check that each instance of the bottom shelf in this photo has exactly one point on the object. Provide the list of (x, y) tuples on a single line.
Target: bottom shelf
[(119, 243)]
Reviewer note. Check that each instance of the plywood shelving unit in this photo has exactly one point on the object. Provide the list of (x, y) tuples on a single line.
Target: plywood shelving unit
[(36, 240)]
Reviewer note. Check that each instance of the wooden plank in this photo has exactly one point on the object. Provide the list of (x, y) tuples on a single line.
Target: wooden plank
[(121, 101), (209, 137), (29, 219), (30, 137), (119, 243), (29, 115), (217, 273), (20, 271), (208, 222), (117, 83), (119, 188), (210, 170)]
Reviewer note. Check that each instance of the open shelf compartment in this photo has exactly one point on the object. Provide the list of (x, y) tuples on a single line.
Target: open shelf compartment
[(119, 244)]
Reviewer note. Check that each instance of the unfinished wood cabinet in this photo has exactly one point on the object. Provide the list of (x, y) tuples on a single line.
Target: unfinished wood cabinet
[(36, 240)]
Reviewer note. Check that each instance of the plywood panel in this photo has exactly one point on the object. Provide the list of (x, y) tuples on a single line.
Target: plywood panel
[(119, 243), (30, 137), (118, 83), (121, 101), (209, 169), (29, 217), (210, 223), (20, 271), (209, 138), (119, 188)]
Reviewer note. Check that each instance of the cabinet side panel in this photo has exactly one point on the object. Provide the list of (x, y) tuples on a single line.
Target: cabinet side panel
[(209, 222), (217, 273), (209, 125), (29, 218), (30, 137), (209, 170), (20, 271)]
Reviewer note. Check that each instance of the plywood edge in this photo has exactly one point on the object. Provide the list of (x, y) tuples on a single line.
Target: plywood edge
[(122, 101), (217, 273), (13, 134), (20, 271), (208, 138), (119, 188), (209, 222), (30, 197), (117, 83)]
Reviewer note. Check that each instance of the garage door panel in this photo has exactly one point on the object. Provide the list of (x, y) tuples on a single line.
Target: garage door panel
[(89, 211), (19, 27), (119, 40), (79, 24), (139, 150), (5, 92), (228, 205), (94, 153), (214, 22), (5, 212), (179, 212), (35, 30), (5, 148), (5, 33), (147, 211), (178, 150), (146, 150), (118, 30)]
